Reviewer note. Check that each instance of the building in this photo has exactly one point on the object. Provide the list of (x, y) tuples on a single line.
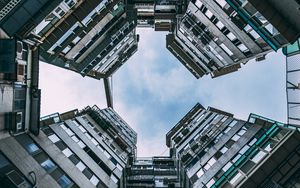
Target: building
[(152, 172), (20, 17), (214, 149), (19, 92), (91, 38), (216, 37), (292, 53), (74, 149), (158, 14)]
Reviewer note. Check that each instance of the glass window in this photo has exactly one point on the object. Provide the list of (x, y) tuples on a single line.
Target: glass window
[(114, 178), (236, 178), (252, 141), (69, 132), (76, 40), (67, 152), (64, 181), (53, 138), (220, 25), (75, 138), (88, 135), (200, 173), (198, 3), (236, 158), (226, 49), (231, 36), (210, 183), (119, 167), (258, 156), (208, 13), (211, 161), (63, 126), (207, 166), (48, 165), (222, 3), (80, 166), (232, 123), (94, 141), (241, 132), (32, 148), (94, 180), (82, 129), (106, 154), (81, 144), (235, 137), (242, 47), (227, 130), (224, 149), (269, 145), (244, 149), (254, 34), (227, 166)]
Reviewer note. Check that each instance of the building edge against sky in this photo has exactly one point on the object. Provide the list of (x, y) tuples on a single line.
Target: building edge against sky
[(214, 149)]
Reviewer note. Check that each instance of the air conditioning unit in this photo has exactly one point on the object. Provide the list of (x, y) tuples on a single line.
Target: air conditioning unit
[(19, 120)]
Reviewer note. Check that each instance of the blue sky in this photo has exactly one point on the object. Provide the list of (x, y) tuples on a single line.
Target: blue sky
[(153, 91)]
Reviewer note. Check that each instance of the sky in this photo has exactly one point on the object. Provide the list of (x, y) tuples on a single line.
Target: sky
[(152, 91)]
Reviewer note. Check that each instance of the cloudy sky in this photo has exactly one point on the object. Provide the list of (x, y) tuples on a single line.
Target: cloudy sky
[(153, 91)]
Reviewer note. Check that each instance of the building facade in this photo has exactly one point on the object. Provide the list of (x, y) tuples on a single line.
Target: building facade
[(91, 38), (216, 37), (73, 149), (156, 172), (20, 93), (292, 53), (214, 149)]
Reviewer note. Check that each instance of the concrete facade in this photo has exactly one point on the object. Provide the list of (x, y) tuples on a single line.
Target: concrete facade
[(214, 149)]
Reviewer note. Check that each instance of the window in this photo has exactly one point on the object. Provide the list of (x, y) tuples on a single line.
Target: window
[(242, 47), (76, 40), (53, 138), (222, 3), (241, 132), (236, 179), (75, 138), (208, 13), (198, 3), (226, 49), (227, 166), (224, 149), (212, 161), (69, 132), (94, 141), (244, 149), (82, 129), (258, 156), (210, 183), (232, 123), (94, 180), (64, 181), (235, 137), (220, 25), (254, 34), (227, 130), (48, 165), (200, 173), (81, 144), (231, 36), (67, 152), (114, 178), (80, 166), (32, 148)]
